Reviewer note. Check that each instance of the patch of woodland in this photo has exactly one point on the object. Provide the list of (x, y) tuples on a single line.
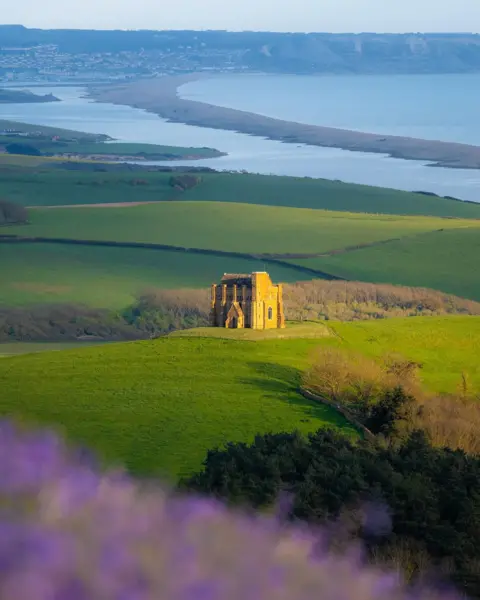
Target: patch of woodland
[(310, 301), (158, 312), (407, 505), (63, 322), (11, 213), (185, 182), (353, 300)]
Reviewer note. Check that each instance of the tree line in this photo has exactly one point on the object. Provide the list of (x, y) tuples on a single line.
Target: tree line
[(412, 507), (158, 312), (12, 213)]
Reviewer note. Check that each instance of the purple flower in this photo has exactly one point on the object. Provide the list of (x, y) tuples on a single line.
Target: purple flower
[(68, 532)]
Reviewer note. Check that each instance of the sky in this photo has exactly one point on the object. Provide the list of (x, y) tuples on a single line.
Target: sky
[(272, 15)]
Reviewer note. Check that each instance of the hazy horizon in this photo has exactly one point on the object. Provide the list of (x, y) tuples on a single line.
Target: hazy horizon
[(334, 16), (344, 32)]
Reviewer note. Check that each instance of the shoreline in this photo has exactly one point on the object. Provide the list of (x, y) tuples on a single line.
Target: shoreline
[(160, 96)]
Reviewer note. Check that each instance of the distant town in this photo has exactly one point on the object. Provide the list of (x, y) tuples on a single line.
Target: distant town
[(73, 55), (47, 63)]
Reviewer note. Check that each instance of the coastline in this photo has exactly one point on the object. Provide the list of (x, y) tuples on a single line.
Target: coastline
[(160, 96)]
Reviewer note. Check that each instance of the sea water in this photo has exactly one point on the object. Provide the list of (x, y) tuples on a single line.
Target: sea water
[(263, 94)]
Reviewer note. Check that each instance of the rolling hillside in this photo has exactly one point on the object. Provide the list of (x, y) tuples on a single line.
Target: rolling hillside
[(39, 181), (158, 406), (445, 260), (229, 227), (110, 277), (423, 251)]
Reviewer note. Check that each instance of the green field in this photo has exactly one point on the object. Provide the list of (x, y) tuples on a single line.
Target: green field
[(418, 251), (445, 260), (50, 185), (229, 227), (17, 348), (42, 185), (446, 346), (116, 149), (109, 277), (303, 330), (150, 151), (303, 192), (46, 130), (157, 406)]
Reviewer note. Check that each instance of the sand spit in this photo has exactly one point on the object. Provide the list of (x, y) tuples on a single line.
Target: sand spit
[(160, 96)]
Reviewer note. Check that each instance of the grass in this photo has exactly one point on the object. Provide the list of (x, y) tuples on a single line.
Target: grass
[(229, 227), (45, 130), (108, 277), (444, 260), (130, 149), (304, 192), (42, 183), (293, 330), (157, 406), (17, 348), (426, 251), (446, 346), (143, 151), (49, 185)]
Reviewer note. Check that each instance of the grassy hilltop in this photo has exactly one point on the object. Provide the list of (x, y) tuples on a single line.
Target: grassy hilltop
[(159, 405)]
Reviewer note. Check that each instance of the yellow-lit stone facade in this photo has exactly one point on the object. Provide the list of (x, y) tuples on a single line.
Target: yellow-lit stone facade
[(247, 301)]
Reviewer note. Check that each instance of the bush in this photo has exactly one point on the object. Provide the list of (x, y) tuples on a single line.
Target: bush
[(412, 505), (161, 311), (356, 382), (12, 213), (25, 149), (185, 182), (450, 421), (393, 415)]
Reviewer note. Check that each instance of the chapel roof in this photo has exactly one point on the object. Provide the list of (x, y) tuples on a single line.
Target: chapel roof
[(237, 278)]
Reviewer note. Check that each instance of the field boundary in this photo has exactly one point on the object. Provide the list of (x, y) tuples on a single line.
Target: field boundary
[(267, 258), (343, 411)]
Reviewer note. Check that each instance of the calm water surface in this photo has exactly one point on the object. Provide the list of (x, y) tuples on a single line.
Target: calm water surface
[(436, 107), (252, 153)]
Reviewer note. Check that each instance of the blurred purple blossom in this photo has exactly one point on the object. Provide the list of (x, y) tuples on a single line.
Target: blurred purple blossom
[(69, 533)]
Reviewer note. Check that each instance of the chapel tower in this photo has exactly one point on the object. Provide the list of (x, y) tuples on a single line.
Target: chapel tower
[(247, 301)]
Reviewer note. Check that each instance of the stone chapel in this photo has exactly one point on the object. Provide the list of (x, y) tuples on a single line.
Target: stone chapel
[(247, 301)]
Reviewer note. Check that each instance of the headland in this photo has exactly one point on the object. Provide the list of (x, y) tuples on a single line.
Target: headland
[(160, 96), (24, 97)]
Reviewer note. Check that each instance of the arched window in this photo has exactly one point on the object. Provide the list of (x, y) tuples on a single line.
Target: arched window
[(270, 313)]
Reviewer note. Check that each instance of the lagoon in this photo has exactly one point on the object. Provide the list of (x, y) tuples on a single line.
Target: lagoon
[(247, 152)]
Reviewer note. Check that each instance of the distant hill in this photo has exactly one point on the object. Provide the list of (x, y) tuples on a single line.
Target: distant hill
[(270, 51)]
